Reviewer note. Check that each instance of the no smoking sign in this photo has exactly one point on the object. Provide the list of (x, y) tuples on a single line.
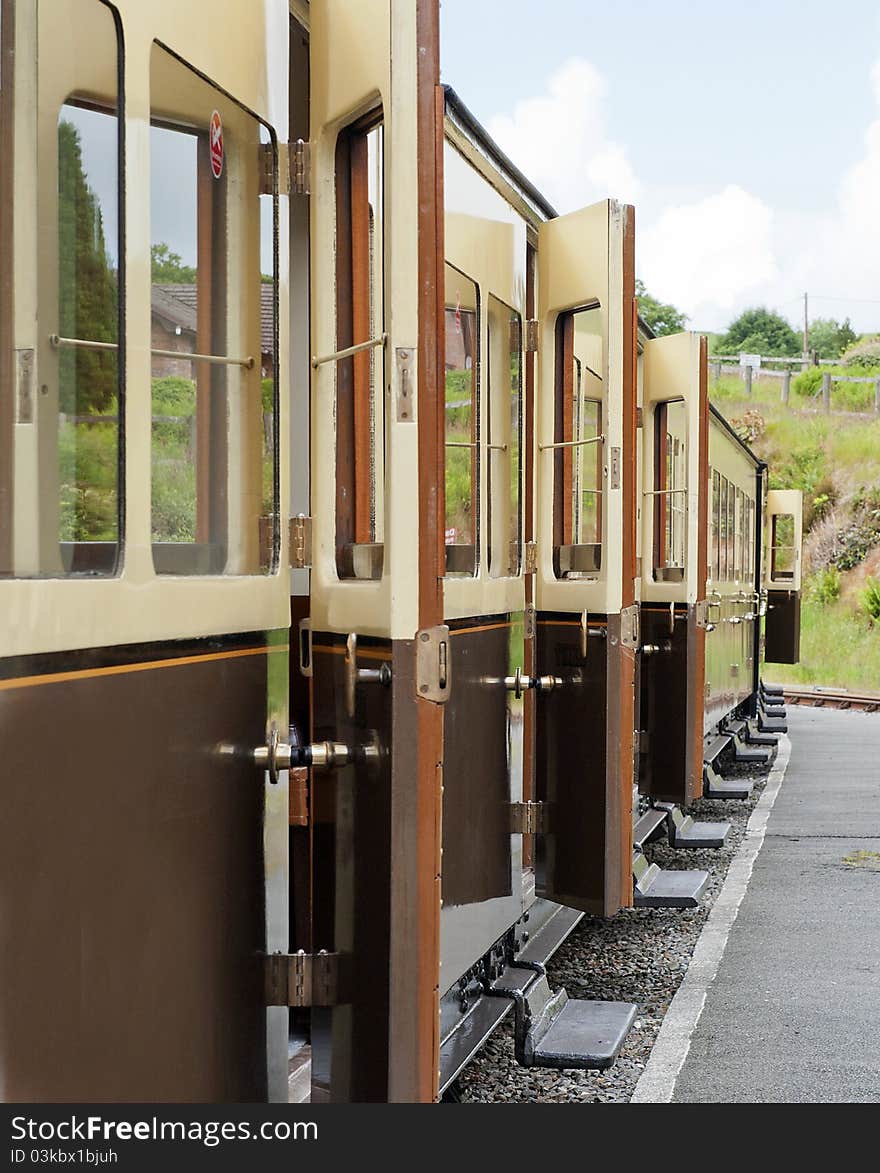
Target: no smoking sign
[(215, 142)]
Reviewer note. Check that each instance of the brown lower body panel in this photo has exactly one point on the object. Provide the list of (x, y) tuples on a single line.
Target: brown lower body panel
[(672, 697), (132, 876), (783, 628), (584, 764)]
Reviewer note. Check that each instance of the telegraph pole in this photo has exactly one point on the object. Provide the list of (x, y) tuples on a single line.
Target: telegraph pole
[(806, 330)]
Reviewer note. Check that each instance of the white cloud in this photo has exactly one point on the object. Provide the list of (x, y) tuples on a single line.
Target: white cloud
[(716, 254), (559, 140), (709, 256)]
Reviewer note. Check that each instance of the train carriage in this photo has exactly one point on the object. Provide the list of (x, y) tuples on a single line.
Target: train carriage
[(357, 549)]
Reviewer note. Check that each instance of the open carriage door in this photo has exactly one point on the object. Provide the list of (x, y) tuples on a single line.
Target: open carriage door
[(782, 575), (376, 266), (675, 460), (144, 633), (587, 620)]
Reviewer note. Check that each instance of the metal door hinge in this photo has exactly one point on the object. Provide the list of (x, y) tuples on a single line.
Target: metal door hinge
[(405, 357), (267, 154), (630, 627), (300, 537), (639, 418), (528, 818), (615, 468), (531, 338), (433, 664), (25, 386), (530, 558), (300, 168), (529, 620), (701, 614), (307, 979)]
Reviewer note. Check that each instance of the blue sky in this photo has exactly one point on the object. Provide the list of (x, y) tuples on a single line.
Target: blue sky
[(747, 136)]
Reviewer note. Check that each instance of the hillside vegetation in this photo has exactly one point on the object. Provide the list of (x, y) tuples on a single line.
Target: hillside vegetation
[(835, 460)]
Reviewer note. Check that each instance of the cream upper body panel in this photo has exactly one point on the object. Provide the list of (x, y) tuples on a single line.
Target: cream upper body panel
[(670, 375), (580, 264), (485, 241), (243, 51), (352, 47)]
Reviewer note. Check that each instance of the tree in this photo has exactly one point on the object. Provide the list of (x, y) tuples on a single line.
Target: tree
[(662, 318), (830, 338), (87, 286), (167, 268), (759, 331)]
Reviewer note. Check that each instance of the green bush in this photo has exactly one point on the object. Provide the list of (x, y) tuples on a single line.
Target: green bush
[(820, 502), (268, 394), (174, 395), (871, 599), (825, 586), (808, 383)]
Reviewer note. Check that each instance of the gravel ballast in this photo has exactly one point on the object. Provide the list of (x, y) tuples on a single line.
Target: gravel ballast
[(640, 956)]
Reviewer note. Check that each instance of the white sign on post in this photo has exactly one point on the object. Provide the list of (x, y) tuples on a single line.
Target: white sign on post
[(750, 360)]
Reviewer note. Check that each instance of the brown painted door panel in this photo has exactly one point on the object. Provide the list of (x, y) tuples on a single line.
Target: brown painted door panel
[(782, 630), (665, 693), (131, 880), (476, 769), (573, 774)]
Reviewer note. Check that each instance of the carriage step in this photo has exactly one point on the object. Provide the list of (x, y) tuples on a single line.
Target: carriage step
[(647, 827), (684, 831), (772, 724), (747, 732), (654, 888), (772, 689), (753, 737), (714, 786), (716, 747), (746, 753), (772, 711), (553, 1030)]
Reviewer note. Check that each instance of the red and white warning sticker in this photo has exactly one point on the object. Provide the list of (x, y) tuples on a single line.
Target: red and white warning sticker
[(215, 142)]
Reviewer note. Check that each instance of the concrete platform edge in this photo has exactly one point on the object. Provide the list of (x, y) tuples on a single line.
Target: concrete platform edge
[(656, 1084)]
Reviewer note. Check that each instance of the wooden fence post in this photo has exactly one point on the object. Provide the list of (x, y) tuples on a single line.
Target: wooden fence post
[(786, 386), (747, 379), (826, 391), (877, 396), (716, 371)]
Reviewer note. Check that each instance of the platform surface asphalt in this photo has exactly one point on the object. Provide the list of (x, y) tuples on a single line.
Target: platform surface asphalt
[(793, 1015)]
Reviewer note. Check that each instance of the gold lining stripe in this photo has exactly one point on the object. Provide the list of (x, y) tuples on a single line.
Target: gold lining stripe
[(484, 627), (570, 623), (362, 653), (145, 666)]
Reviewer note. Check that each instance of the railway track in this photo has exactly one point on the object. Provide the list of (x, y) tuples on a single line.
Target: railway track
[(820, 697)]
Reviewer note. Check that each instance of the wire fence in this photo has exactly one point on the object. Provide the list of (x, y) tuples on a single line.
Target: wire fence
[(823, 392)]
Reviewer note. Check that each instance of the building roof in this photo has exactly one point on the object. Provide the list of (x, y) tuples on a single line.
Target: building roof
[(176, 306)]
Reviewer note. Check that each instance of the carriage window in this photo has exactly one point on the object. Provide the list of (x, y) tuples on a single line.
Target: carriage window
[(577, 449), (213, 329), (715, 559), (360, 377), (670, 491), (737, 532), (782, 547), (462, 423), (724, 532), (60, 459), (751, 541), (505, 438)]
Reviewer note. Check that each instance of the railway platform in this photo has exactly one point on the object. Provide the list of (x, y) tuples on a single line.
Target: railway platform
[(792, 1011)]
